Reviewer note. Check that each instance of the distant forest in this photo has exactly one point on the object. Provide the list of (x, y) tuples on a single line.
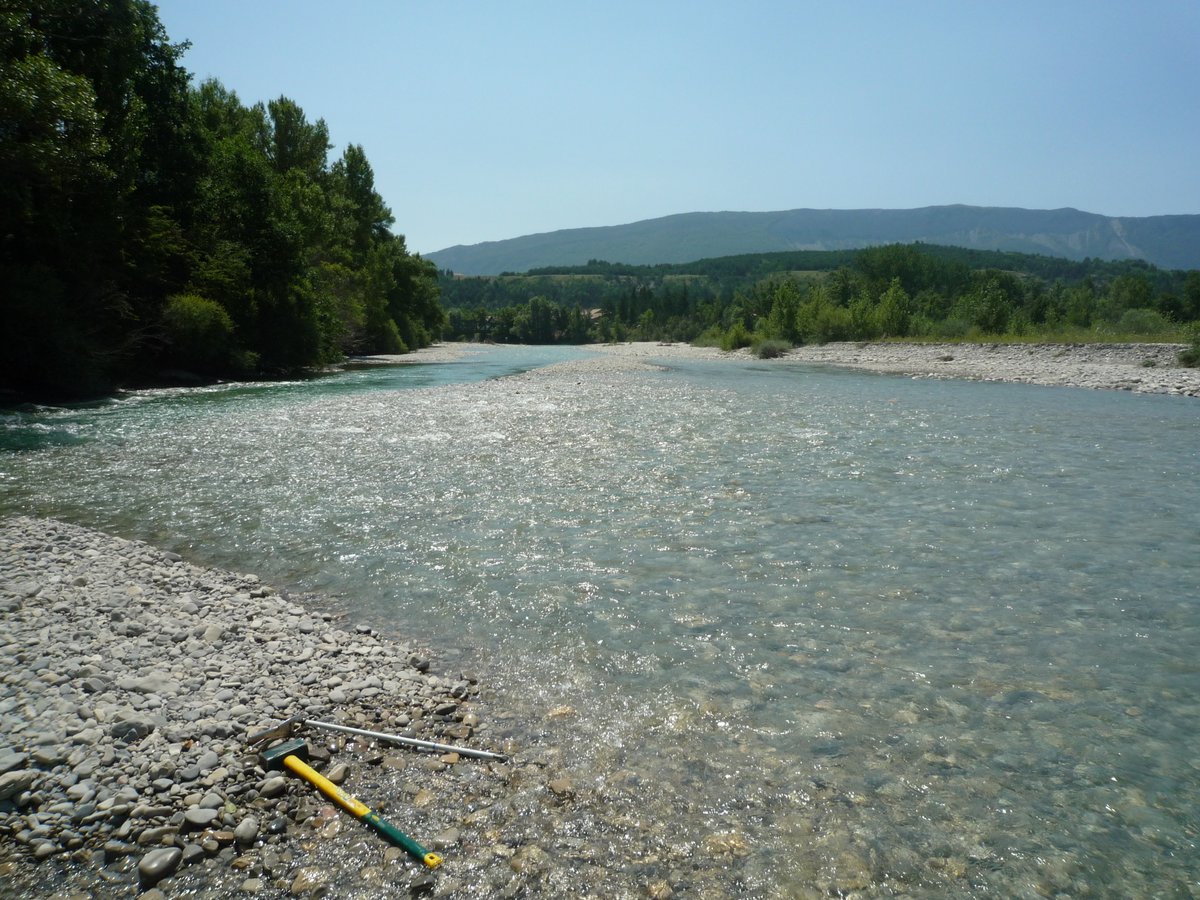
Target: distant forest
[(900, 290), (152, 229)]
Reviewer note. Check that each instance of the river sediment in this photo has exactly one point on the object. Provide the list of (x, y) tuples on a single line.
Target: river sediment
[(1141, 368), (1146, 368), (131, 680), (730, 756)]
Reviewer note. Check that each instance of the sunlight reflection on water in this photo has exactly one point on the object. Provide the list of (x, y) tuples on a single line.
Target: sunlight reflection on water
[(851, 632)]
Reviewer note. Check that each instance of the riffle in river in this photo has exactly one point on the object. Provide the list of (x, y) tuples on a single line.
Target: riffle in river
[(799, 630)]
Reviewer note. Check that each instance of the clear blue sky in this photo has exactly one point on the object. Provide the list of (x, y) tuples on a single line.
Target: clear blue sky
[(487, 120)]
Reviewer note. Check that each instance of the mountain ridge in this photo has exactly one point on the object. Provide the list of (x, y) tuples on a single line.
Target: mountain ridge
[(1167, 241)]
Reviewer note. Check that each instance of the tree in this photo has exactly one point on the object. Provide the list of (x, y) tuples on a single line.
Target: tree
[(781, 320), (892, 313), (93, 157), (369, 219), (288, 140), (864, 324), (1190, 304), (1127, 292), (990, 306), (145, 223), (200, 334)]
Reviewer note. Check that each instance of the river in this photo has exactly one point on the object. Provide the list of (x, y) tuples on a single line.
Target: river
[(848, 632)]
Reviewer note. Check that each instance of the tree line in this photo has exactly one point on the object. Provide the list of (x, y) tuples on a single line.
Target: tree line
[(150, 226), (899, 291)]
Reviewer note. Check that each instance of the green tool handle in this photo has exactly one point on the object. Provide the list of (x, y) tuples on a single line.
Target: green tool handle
[(360, 810), (394, 834)]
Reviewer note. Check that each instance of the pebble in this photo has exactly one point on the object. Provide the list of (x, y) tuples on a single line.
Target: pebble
[(158, 864), (562, 787), (192, 853), (15, 783), (246, 831), (198, 817), (10, 760), (307, 881), (338, 773)]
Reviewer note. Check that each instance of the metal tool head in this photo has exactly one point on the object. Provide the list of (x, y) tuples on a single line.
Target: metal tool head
[(273, 757), (276, 732)]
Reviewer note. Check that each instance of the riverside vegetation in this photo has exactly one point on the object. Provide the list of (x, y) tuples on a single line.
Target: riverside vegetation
[(772, 301)]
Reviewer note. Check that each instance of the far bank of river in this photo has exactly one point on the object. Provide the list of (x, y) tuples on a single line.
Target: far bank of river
[(1145, 368), (1141, 368)]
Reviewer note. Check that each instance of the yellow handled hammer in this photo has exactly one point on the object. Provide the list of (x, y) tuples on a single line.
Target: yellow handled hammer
[(293, 754)]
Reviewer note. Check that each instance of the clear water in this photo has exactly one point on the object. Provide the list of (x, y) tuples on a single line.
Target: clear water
[(849, 632)]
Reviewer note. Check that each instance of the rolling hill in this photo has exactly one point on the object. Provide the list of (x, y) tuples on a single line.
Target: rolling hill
[(1171, 242)]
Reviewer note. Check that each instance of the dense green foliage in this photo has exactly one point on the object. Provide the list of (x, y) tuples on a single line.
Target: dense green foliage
[(899, 290), (1190, 355), (147, 224)]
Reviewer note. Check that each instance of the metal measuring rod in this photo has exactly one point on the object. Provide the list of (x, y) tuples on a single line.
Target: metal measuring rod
[(285, 728)]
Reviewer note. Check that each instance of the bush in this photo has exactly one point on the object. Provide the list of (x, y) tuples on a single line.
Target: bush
[(1191, 356), (736, 338), (710, 337), (819, 322), (771, 348), (201, 335), (1144, 321)]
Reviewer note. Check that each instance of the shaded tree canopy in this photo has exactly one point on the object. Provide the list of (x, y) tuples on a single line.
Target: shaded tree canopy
[(149, 224)]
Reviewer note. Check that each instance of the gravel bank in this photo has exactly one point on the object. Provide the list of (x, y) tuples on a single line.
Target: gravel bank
[(1143, 368), (130, 681), (438, 353)]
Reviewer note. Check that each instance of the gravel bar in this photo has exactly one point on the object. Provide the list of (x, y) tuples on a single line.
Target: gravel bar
[(1139, 368), (130, 682)]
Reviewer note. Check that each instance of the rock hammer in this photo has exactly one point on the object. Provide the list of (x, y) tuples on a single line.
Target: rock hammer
[(292, 755)]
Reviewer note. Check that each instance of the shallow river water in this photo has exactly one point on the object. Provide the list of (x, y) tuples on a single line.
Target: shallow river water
[(848, 633)]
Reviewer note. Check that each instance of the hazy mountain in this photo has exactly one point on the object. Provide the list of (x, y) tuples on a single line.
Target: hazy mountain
[(1171, 242)]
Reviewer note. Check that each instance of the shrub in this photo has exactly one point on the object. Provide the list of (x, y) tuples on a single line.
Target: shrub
[(1144, 321), (1191, 356), (200, 333), (820, 321), (771, 348), (736, 338)]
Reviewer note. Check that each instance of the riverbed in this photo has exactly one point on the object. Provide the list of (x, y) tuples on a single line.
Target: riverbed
[(781, 629)]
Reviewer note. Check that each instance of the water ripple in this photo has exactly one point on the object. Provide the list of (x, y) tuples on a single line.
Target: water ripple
[(850, 632)]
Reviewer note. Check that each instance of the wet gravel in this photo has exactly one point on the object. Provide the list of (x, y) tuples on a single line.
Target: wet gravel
[(131, 680)]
